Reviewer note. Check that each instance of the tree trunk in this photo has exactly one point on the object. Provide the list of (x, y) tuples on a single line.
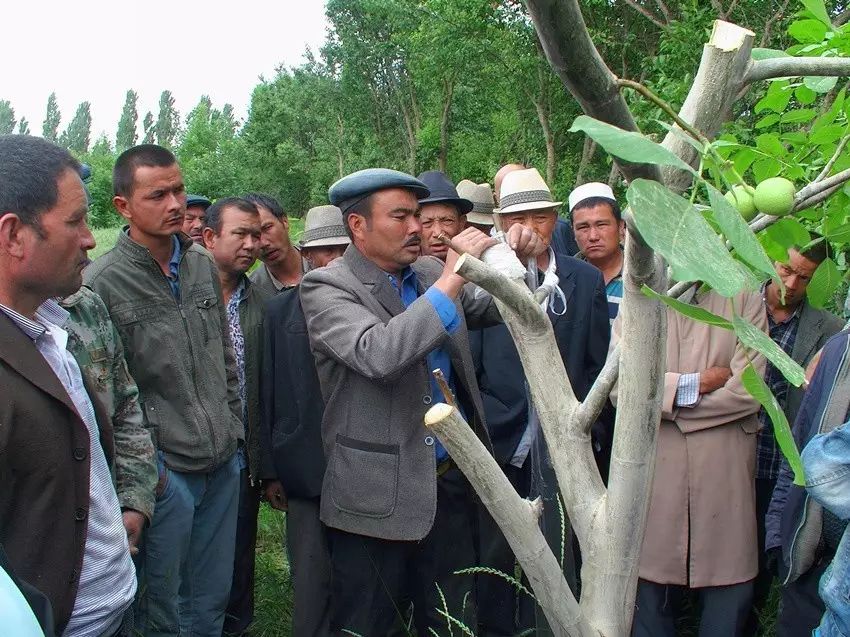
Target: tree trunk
[(448, 93), (549, 136), (588, 150)]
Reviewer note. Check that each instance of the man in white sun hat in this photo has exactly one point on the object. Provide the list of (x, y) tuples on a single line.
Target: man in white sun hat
[(600, 230), (578, 310)]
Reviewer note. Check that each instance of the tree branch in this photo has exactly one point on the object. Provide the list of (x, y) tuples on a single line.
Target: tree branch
[(590, 408), (765, 34), (839, 149), (646, 13), (797, 67), (517, 517)]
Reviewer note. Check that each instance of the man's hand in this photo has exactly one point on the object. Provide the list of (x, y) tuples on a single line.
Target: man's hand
[(134, 522), (472, 241), (713, 378), (273, 490), (526, 243)]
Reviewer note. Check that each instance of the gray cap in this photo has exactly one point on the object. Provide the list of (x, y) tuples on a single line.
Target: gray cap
[(353, 188)]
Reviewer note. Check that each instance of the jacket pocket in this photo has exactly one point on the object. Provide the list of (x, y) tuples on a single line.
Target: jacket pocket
[(206, 307), (364, 477)]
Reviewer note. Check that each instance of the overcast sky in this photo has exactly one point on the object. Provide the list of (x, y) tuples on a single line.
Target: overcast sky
[(96, 50)]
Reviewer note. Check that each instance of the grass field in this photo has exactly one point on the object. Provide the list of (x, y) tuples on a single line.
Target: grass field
[(273, 589)]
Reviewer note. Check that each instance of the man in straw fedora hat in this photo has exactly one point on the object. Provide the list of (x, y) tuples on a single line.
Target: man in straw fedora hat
[(291, 458), (481, 196), (578, 311), (380, 319)]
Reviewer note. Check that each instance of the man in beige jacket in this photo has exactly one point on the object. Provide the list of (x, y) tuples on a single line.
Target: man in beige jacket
[(701, 530)]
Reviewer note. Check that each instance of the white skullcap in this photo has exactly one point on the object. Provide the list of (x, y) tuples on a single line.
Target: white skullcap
[(593, 189)]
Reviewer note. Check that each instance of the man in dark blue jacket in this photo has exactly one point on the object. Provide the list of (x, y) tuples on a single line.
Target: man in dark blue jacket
[(292, 460), (801, 535), (578, 309)]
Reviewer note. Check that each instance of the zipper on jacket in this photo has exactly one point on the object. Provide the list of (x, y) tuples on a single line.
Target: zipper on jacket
[(791, 566), (179, 303)]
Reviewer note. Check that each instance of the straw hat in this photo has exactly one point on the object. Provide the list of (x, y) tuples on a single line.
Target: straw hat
[(323, 227), (481, 196), (525, 190)]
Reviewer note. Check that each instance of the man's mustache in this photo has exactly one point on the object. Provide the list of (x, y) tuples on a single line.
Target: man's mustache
[(413, 241)]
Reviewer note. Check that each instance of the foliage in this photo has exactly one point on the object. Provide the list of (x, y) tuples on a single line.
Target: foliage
[(7, 118), (76, 136), (168, 121), (127, 135), (149, 129), (50, 126)]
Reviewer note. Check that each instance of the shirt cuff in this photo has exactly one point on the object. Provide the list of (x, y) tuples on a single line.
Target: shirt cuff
[(445, 307), (687, 390)]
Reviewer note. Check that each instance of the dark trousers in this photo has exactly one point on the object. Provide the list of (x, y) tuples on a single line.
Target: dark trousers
[(309, 567), (723, 609), (240, 607), (503, 610), (764, 579), (801, 608), (374, 581)]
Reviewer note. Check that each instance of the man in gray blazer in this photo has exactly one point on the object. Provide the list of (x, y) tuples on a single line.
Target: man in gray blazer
[(801, 331), (380, 320)]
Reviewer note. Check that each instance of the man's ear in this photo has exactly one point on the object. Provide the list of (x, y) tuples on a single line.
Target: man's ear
[(13, 235), (461, 222), (357, 224), (622, 225), (122, 206), (209, 237)]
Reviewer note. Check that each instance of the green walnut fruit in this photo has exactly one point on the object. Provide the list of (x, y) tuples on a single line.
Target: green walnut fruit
[(775, 196), (742, 198)]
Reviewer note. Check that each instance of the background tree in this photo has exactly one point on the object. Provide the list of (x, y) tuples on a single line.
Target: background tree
[(168, 120), (7, 118), (52, 118), (149, 127), (76, 136), (24, 127), (126, 136)]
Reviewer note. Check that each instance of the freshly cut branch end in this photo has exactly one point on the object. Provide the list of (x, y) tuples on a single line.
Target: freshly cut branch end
[(727, 36), (437, 414)]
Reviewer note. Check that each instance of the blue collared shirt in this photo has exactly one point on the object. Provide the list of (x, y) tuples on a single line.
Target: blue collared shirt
[(438, 358), (174, 267)]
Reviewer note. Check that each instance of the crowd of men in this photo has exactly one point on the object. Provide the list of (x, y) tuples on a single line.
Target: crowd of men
[(151, 398)]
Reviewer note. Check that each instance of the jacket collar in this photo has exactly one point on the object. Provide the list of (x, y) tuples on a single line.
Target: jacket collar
[(809, 330), (374, 279), (566, 281), (140, 253)]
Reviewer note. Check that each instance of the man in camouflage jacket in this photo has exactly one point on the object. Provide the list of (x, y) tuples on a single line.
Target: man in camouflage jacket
[(95, 344)]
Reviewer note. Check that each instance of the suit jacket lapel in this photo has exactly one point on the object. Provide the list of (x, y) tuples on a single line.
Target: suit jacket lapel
[(18, 350), (808, 331), (375, 280)]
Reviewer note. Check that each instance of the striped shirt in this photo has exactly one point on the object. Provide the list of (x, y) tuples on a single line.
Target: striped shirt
[(108, 578), (614, 292)]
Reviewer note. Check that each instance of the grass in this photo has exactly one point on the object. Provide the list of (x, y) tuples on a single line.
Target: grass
[(273, 586)]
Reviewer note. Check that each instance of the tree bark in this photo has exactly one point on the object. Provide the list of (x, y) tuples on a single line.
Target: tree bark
[(588, 150), (448, 93)]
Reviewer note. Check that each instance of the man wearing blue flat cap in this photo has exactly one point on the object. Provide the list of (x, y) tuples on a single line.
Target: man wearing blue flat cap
[(380, 319)]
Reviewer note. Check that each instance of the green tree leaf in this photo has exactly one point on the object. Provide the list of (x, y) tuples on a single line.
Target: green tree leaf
[(738, 233), (820, 84), (770, 144), (788, 233), (841, 234), (767, 120), (776, 99), (627, 145), (827, 134), (808, 31), (818, 9), (675, 229), (805, 95), (798, 115), (691, 311), (766, 168), (759, 390), (754, 338), (825, 281), (766, 54)]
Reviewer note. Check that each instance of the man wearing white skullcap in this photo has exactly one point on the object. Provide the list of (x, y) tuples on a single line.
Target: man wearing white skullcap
[(599, 230)]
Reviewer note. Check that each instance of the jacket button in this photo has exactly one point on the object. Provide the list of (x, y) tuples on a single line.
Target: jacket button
[(429, 440), (79, 453), (80, 514), (426, 400)]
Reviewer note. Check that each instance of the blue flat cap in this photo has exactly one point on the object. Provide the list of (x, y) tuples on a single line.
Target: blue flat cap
[(353, 188), (197, 200)]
